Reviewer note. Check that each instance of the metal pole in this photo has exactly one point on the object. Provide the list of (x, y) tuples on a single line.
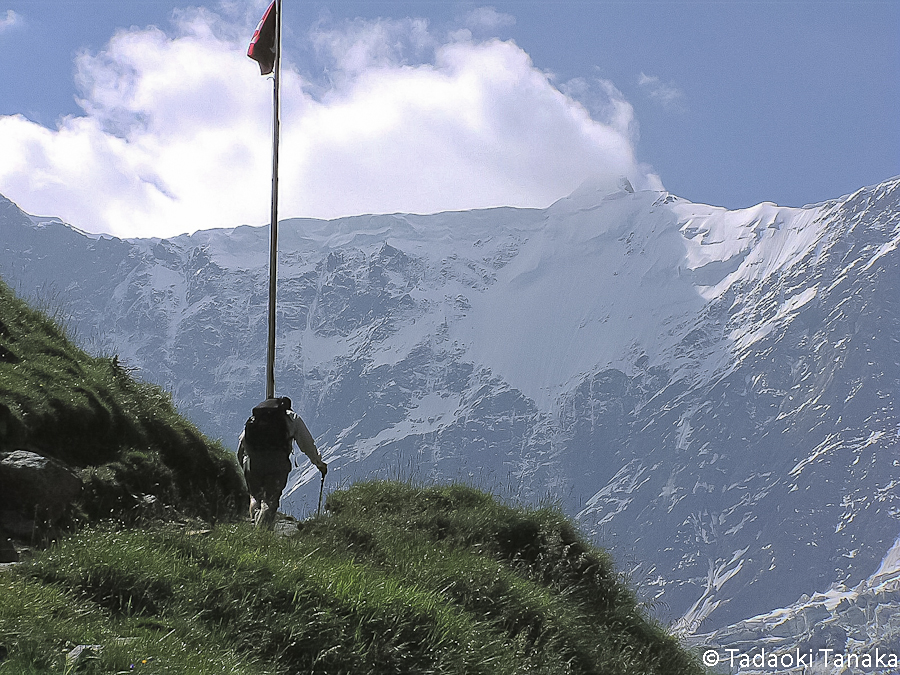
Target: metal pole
[(273, 223)]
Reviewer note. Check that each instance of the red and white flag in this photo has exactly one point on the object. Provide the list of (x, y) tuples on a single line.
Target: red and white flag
[(262, 46)]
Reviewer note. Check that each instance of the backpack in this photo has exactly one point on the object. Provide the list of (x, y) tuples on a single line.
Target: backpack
[(267, 427)]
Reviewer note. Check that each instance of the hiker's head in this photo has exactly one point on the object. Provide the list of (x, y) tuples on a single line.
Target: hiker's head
[(285, 403)]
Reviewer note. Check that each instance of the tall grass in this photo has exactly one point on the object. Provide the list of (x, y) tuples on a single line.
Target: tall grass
[(396, 579)]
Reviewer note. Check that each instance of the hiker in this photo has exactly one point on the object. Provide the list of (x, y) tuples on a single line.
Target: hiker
[(264, 452)]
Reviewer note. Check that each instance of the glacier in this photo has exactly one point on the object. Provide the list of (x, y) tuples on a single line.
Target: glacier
[(711, 393)]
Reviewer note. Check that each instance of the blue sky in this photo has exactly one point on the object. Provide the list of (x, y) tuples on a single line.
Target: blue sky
[(146, 118)]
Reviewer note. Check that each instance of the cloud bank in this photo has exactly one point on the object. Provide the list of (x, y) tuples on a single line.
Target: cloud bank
[(176, 130)]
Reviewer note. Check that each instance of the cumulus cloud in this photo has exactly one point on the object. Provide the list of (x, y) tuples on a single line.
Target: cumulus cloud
[(664, 93), (175, 134), (9, 21), (605, 102)]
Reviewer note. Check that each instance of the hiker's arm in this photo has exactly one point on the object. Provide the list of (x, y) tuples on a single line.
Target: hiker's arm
[(305, 441)]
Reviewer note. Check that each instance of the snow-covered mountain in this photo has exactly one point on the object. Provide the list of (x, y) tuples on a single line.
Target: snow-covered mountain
[(713, 393), (846, 630)]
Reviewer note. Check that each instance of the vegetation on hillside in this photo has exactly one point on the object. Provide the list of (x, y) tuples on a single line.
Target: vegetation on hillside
[(396, 579), (124, 435)]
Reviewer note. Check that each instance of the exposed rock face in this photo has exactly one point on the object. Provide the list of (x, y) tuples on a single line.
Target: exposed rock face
[(34, 490), (841, 630)]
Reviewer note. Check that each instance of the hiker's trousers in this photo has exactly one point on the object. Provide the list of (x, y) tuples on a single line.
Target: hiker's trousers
[(266, 473)]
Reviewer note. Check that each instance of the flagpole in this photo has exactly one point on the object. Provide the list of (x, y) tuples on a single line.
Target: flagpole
[(273, 223)]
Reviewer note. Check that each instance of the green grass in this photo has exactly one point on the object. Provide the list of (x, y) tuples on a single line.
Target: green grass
[(395, 579), (124, 435)]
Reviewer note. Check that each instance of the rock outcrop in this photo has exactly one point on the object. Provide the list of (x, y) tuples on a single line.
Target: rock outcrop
[(8, 552), (35, 491)]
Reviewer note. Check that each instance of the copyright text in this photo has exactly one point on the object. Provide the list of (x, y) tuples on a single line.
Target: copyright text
[(736, 658)]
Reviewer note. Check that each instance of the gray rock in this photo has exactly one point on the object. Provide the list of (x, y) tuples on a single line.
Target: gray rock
[(8, 553), (17, 525), (827, 636), (887, 617), (82, 653), (34, 490)]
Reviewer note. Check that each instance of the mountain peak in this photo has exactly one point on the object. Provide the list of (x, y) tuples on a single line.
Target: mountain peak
[(603, 185)]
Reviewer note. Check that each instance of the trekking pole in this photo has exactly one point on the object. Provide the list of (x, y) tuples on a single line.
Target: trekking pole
[(321, 490)]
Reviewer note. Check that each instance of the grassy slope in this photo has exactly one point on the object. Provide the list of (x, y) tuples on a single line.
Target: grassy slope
[(125, 435), (394, 579)]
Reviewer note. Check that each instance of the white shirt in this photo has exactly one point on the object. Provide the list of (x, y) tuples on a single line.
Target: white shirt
[(298, 431)]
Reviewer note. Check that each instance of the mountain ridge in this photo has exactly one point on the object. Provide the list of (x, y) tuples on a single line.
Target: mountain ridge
[(710, 380)]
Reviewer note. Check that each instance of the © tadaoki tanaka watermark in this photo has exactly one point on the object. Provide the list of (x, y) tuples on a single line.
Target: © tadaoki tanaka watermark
[(769, 660)]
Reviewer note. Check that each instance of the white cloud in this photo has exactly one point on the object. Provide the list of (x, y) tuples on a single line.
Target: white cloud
[(10, 21), (666, 94), (488, 18), (360, 45), (605, 102), (175, 134)]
